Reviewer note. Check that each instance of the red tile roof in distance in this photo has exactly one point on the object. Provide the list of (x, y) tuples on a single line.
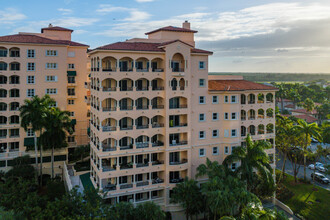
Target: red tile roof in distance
[(307, 118), (34, 39), (56, 28), (237, 85), (304, 111), (171, 28)]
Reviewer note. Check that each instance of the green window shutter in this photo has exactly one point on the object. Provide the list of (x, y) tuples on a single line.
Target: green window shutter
[(72, 73)]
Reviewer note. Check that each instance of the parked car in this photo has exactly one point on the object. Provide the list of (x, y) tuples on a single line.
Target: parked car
[(317, 164), (321, 168), (320, 178)]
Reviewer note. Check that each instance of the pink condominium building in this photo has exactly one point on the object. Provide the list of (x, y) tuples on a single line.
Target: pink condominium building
[(38, 64), (156, 115)]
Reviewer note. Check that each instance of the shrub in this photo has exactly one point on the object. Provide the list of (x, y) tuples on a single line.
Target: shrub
[(283, 193)]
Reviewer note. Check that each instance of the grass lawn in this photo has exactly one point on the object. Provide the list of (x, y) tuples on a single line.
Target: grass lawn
[(309, 201)]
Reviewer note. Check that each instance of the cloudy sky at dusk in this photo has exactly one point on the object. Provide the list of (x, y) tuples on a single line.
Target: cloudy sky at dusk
[(245, 36)]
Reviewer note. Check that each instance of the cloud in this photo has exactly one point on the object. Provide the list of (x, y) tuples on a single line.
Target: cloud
[(65, 11), (134, 14), (10, 16), (142, 1), (282, 50)]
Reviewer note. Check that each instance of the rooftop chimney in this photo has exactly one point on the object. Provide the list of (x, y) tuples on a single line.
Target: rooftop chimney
[(186, 25)]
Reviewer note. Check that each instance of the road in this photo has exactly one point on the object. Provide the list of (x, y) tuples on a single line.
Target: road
[(289, 170)]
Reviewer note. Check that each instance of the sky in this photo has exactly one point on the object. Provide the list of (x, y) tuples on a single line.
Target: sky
[(245, 35)]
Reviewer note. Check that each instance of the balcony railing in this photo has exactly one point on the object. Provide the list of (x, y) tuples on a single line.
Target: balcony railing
[(126, 108), (157, 162), (144, 183), (157, 125), (178, 106), (142, 126), (109, 69), (126, 89), (126, 128), (108, 168), (176, 70), (142, 164), (157, 106), (157, 88), (183, 161), (179, 125), (109, 187), (144, 88), (142, 145), (109, 89), (142, 70), (109, 128), (108, 148), (126, 166), (126, 70), (157, 181), (109, 109), (126, 147), (142, 107), (158, 70), (174, 143), (179, 180), (126, 186), (158, 144)]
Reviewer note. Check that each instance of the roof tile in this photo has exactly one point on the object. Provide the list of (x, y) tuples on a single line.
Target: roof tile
[(171, 28), (237, 85)]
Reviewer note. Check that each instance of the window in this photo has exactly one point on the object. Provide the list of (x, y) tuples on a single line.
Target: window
[(29, 132), (71, 79), (226, 99), (51, 65), (51, 78), (51, 91), (215, 99), (71, 91), (14, 146), (201, 65), (71, 66), (71, 54), (30, 66), (233, 132), (3, 134), (30, 80), (233, 99), (233, 116), (233, 166), (31, 53), (30, 93), (71, 114), (201, 99), (215, 116), (233, 148), (226, 150), (51, 53), (201, 82), (226, 116), (202, 135), (202, 152), (14, 132), (202, 117), (215, 150), (53, 104), (215, 133), (71, 102), (71, 139)]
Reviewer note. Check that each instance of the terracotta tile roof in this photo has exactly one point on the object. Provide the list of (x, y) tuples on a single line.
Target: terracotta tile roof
[(237, 85), (307, 118), (171, 28), (305, 111), (34, 39), (55, 28), (143, 46)]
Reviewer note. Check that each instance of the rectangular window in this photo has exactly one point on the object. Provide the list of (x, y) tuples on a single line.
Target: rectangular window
[(202, 152), (226, 150), (201, 65), (226, 116), (29, 132), (3, 134), (30, 66), (202, 117), (53, 105), (71, 102), (201, 82), (71, 79), (234, 133), (30, 80), (233, 116), (215, 150), (14, 132), (215, 133), (71, 114), (233, 99), (215, 116), (71, 91), (51, 78), (30, 92), (71, 139), (51, 91), (202, 135), (71, 66), (31, 53), (51, 65), (215, 99), (51, 53), (201, 99), (226, 133), (233, 166), (226, 99)]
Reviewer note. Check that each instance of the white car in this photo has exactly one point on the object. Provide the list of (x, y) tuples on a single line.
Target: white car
[(317, 164), (321, 168)]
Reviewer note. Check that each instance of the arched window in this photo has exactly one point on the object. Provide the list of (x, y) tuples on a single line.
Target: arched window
[(243, 131), (261, 129), (3, 66), (3, 79), (3, 106), (261, 98), (174, 84), (243, 99)]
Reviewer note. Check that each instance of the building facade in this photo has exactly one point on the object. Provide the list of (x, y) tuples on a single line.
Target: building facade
[(156, 115), (38, 64)]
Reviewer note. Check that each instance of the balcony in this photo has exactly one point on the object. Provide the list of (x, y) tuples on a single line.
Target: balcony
[(126, 166), (142, 70), (109, 109), (127, 147), (108, 168), (142, 164), (126, 186), (183, 161), (129, 127), (178, 106), (109, 128), (126, 108), (142, 107), (142, 145), (157, 70), (157, 181), (109, 69), (176, 125), (107, 148), (157, 106), (109, 89), (177, 143), (158, 144), (144, 183), (109, 187), (177, 180), (157, 125), (142, 126), (157, 162), (177, 70)]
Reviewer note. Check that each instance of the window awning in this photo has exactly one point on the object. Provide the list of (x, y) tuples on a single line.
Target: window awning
[(72, 73), (73, 121)]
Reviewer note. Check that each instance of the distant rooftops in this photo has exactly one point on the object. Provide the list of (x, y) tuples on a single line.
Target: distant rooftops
[(55, 28), (34, 39), (237, 85), (171, 28)]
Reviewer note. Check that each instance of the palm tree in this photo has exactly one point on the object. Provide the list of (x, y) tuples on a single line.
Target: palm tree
[(56, 124), (32, 114), (188, 195), (281, 93), (252, 157), (308, 130), (309, 105), (149, 210)]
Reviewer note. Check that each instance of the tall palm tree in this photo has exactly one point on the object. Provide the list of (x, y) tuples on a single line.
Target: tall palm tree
[(308, 130), (56, 124), (252, 157), (187, 194), (32, 114), (149, 210)]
